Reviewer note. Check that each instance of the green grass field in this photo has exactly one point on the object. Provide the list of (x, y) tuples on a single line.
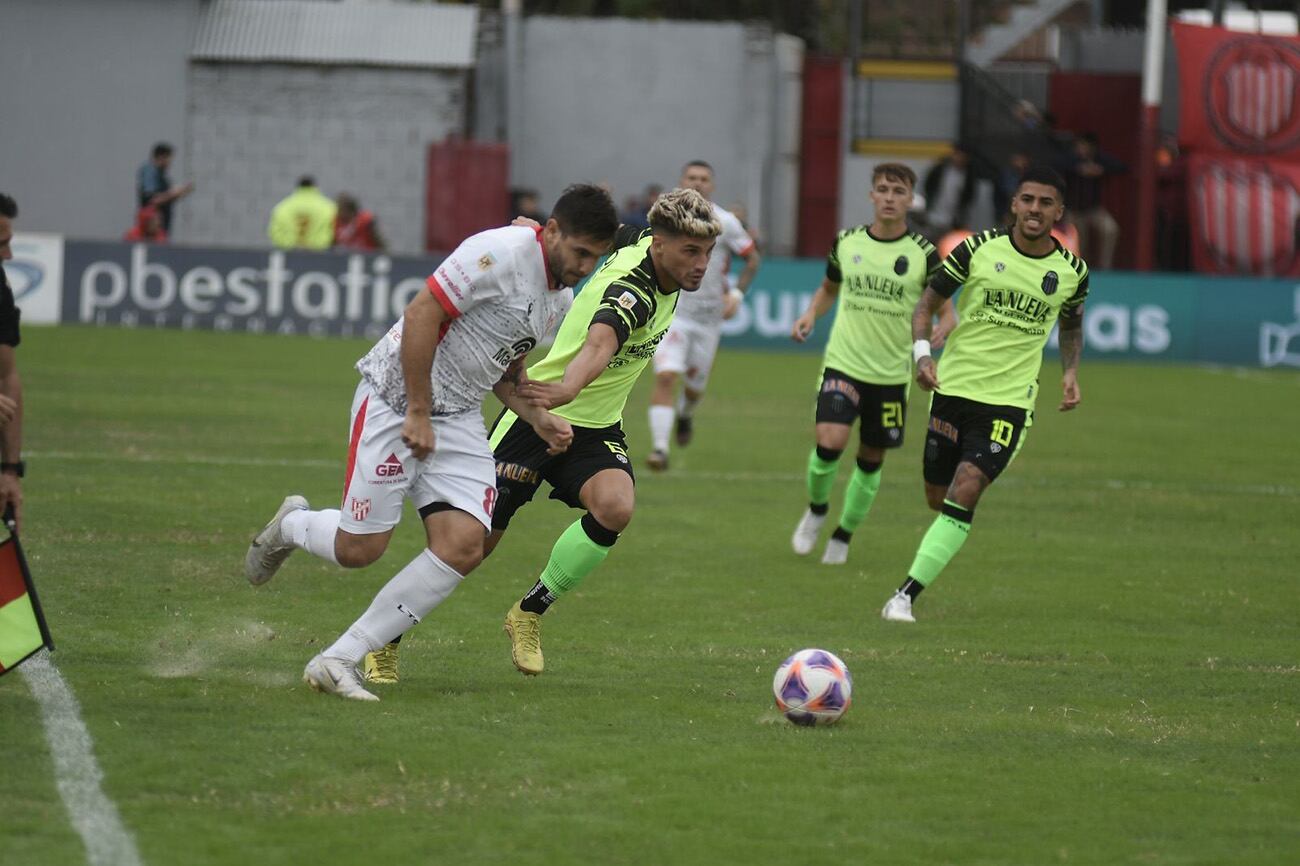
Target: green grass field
[(1109, 673)]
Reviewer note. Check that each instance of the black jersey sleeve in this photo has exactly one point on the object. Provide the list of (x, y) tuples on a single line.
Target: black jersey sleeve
[(624, 307)]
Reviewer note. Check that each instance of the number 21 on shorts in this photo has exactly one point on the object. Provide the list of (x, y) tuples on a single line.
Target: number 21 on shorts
[(891, 414), (1002, 432)]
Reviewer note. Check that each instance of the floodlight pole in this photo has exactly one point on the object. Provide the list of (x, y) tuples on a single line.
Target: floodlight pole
[(1153, 71)]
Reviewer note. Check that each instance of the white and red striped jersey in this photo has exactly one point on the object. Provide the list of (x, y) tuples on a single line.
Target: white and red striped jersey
[(496, 291), (704, 305)]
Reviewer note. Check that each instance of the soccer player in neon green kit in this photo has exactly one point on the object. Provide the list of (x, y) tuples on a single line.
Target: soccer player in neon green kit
[(877, 272), (605, 342), (1014, 284)]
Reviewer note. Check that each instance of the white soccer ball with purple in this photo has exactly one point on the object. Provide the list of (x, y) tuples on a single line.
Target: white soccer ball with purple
[(813, 687)]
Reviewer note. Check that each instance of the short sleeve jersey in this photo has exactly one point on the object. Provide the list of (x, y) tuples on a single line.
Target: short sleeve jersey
[(496, 291), (704, 305), (624, 294), (880, 283), (1008, 304)]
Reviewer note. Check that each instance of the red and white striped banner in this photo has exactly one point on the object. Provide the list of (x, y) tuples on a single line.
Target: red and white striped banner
[(1239, 92), (1245, 215)]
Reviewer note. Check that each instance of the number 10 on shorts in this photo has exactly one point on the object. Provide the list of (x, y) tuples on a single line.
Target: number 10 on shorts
[(1002, 432)]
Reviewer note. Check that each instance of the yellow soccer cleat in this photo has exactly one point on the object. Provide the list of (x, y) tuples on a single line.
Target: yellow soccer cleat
[(381, 665), (525, 630)]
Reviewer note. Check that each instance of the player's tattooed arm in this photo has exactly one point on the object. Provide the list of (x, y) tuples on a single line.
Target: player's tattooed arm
[(922, 321), (946, 325), (1071, 338)]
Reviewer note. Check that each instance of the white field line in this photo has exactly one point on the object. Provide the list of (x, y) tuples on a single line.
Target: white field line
[(76, 772), (1285, 491)]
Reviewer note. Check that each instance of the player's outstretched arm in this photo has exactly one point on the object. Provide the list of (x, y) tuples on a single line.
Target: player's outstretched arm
[(922, 319), (421, 324), (1071, 337), (822, 300), (555, 431), (600, 346)]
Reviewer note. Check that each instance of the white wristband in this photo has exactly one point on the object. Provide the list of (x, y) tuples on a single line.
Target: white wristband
[(736, 293), (920, 349)]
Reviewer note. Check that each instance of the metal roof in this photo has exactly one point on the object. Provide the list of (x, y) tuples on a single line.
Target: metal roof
[(348, 33)]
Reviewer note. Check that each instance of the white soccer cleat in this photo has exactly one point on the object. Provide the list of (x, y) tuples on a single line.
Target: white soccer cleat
[(336, 677), (269, 549), (805, 534), (898, 608), (836, 552)]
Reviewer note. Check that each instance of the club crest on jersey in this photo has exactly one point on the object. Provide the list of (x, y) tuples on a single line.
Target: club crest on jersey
[(900, 265), (486, 261), (1050, 281), (627, 300), (1000, 267), (857, 259)]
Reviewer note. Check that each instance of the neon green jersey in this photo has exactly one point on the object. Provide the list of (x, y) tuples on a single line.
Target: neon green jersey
[(880, 283), (624, 294), (1008, 304)]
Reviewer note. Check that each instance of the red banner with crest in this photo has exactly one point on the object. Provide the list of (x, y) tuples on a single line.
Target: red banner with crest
[(1245, 215), (1239, 92)]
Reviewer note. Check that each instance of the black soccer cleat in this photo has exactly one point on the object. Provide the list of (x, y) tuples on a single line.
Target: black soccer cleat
[(685, 427)]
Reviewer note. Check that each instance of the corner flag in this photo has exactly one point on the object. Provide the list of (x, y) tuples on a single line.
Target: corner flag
[(22, 625)]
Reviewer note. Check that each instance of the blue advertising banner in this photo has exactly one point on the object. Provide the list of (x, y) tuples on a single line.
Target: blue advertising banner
[(1167, 317)]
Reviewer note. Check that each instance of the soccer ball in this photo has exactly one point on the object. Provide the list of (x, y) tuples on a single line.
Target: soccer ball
[(813, 687)]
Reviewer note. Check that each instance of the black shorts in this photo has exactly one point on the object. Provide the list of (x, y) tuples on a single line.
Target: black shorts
[(979, 433), (523, 464), (882, 408)]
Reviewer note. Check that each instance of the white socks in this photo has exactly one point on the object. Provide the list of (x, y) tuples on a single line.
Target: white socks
[(399, 606), (313, 531), (661, 426)]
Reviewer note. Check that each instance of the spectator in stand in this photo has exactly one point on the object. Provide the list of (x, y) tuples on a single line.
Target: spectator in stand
[(1086, 168), (1173, 227), (304, 219), (949, 189), (1008, 181), (148, 228), (526, 205), (354, 228), (154, 187)]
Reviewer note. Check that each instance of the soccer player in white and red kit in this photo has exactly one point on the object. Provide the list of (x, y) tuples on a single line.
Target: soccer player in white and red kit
[(691, 344), (417, 428)]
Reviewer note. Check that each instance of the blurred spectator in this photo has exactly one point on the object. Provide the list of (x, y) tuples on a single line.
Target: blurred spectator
[(354, 228), (1006, 184), (525, 204), (304, 219), (635, 208), (148, 227), (949, 189), (154, 187), (1173, 226), (1086, 168)]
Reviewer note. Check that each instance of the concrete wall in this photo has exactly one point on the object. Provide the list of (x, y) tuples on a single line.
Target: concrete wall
[(86, 88), (628, 102), (254, 129)]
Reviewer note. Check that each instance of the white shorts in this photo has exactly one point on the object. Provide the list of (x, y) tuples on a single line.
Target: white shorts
[(382, 473), (688, 349)]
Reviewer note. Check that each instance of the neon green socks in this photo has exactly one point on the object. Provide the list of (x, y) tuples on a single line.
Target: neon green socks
[(576, 554), (822, 463), (858, 496), (941, 542)]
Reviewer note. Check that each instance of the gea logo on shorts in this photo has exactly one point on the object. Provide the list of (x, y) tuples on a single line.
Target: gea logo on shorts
[(390, 468)]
